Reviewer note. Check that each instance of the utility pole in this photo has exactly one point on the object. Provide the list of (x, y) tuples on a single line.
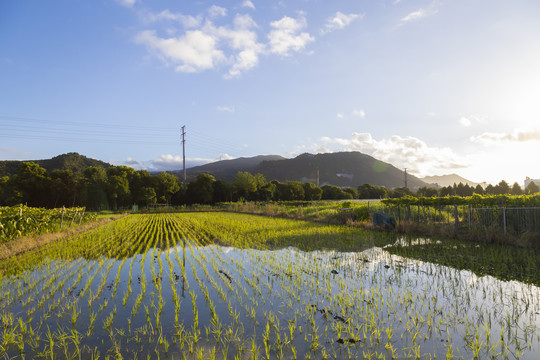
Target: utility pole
[(405, 177), (184, 151)]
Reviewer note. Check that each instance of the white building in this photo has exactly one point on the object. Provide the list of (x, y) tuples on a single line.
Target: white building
[(528, 180)]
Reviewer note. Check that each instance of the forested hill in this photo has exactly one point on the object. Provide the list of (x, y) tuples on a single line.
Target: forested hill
[(70, 161), (349, 169), (226, 170)]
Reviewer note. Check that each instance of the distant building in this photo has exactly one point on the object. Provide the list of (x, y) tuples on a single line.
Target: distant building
[(528, 180)]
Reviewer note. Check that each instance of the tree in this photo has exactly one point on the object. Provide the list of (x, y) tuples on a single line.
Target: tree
[(95, 180), (65, 188), (290, 190), (351, 191), (222, 191), (516, 189), (311, 191), (32, 182), (331, 192), (502, 188), (447, 191), (400, 192), (166, 186), (267, 191), (244, 184), (142, 189), (532, 188), (201, 190), (489, 190), (368, 191), (479, 190), (259, 180), (427, 191), (146, 195), (117, 190), (463, 189), (4, 181)]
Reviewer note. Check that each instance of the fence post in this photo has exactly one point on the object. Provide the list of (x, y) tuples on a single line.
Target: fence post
[(504, 219), (82, 214), (62, 219), (469, 216), (456, 217), (73, 218)]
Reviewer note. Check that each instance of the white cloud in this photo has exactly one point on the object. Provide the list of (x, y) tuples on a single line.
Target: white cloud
[(168, 162), (248, 4), (360, 113), (126, 3), (134, 163), (226, 108), (415, 15), (242, 39), (408, 152), (286, 36), (340, 115), (192, 52), (518, 135), (217, 11), (429, 10), (206, 46), (187, 21), (465, 121), (339, 21), (224, 156)]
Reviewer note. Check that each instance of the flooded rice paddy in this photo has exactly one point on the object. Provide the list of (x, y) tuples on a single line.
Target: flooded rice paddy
[(212, 285)]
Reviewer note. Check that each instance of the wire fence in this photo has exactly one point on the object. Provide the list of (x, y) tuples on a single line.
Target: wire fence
[(511, 221)]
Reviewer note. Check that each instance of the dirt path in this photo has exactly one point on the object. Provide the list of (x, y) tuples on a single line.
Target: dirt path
[(27, 243)]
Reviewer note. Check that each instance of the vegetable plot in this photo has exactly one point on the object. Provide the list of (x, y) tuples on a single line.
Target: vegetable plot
[(21, 220)]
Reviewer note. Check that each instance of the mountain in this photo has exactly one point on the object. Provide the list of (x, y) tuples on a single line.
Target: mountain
[(226, 169), (70, 161), (449, 180), (341, 169)]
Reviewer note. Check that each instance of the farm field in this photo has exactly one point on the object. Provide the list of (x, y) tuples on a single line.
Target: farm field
[(226, 285)]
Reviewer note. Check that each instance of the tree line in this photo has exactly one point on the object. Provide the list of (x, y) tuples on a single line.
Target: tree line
[(368, 191), (121, 187)]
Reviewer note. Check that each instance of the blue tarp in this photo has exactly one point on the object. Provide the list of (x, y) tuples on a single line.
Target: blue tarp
[(383, 220)]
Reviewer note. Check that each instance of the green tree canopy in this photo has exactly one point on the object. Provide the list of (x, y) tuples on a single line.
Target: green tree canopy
[(32, 182), (311, 191), (368, 191), (532, 188), (244, 184), (200, 190), (166, 186), (516, 189), (331, 192)]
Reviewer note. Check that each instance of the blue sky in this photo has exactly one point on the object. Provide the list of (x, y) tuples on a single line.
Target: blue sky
[(438, 87)]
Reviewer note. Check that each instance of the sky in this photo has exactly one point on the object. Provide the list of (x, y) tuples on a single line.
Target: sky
[(437, 87)]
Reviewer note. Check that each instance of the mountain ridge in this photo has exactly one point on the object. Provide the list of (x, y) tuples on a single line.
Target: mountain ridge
[(70, 161)]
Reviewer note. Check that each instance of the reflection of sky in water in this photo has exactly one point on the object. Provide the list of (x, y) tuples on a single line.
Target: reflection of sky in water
[(285, 282)]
